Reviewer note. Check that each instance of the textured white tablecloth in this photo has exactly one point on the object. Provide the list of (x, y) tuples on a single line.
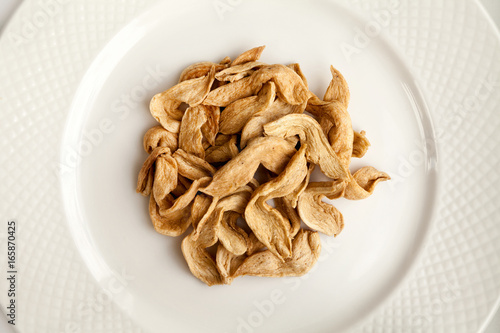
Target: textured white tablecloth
[(7, 7)]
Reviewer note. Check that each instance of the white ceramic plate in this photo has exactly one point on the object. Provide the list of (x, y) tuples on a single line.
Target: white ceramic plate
[(421, 254)]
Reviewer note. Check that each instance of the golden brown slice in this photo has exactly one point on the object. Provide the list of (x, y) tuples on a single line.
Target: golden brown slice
[(171, 216), (172, 221), (318, 151), (317, 214), (146, 175), (157, 136), (165, 176), (235, 73), (255, 125), (337, 90), (267, 223), (306, 251), (211, 127), (336, 124), (222, 151), (272, 152), (190, 136), (249, 56), (202, 68), (220, 223), (289, 85), (192, 167), (200, 263), (363, 183), (360, 144), (228, 93), (296, 68), (237, 114), (164, 106)]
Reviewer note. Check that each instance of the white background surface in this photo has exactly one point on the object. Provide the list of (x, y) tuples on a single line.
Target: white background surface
[(7, 7)]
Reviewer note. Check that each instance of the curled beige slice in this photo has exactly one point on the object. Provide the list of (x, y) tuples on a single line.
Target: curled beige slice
[(165, 176), (306, 251), (231, 236), (255, 126), (289, 85), (363, 183), (235, 73), (200, 263), (249, 56), (211, 127), (336, 124), (164, 106), (317, 214), (172, 222), (202, 68), (284, 206), (237, 114), (267, 223), (360, 144), (337, 90), (146, 175), (296, 68), (192, 167), (228, 93), (318, 150), (227, 263), (220, 224), (171, 216), (293, 197), (222, 151), (157, 136), (272, 152), (190, 136)]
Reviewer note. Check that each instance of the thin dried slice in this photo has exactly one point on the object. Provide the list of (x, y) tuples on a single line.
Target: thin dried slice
[(249, 56), (272, 152), (223, 152), (360, 144), (146, 175), (317, 214), (192, 167), (180, 189), (255, 126), (230, 235), (289, 85), (227, 263), (319, 150), (306, 251), (157, 136), (200, 263), (363, 183), (237, 114), (337, 90), (238, 72), (202, 205), (211, 127), (165, 176), (336, 124), (174, 223), (267, 223), (228, 93), (296, 68), (201, 69), (284, 206), (190, 136), (164, 106), (293, 197), (215, 224)]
